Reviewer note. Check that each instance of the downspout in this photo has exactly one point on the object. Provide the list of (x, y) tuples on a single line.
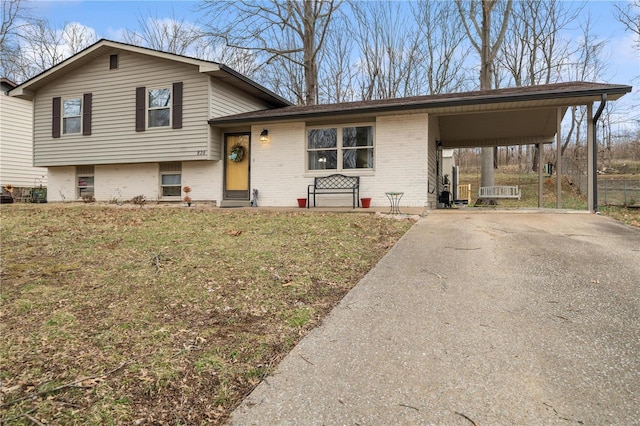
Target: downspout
[(594, 166)]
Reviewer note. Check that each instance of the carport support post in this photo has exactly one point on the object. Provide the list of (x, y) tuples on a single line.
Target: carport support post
[(590, 160), (539, 148), (558, 159)]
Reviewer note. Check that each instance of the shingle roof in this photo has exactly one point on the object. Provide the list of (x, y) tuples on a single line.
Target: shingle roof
[(512, 94)]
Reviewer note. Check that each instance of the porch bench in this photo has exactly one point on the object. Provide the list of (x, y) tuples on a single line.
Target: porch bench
[(489, 192), (335, 184)]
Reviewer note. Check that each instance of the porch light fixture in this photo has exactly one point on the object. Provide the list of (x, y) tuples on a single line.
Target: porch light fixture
[(264, 136)]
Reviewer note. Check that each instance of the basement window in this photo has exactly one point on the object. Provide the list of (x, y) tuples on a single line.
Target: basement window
[(85, 181), (171, 179)]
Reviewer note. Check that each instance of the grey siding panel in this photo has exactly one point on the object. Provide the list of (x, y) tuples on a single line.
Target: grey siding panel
[(113, 130), (227, 100)]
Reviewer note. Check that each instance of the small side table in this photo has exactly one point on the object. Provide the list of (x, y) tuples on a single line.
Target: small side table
[(394, 199)]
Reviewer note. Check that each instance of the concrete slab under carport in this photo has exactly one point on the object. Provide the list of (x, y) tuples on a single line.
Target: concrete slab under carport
[(490, 317)]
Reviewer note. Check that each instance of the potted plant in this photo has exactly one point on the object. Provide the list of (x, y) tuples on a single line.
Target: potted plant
[(187, 198)]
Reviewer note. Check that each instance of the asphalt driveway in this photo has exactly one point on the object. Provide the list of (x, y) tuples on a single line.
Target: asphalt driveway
[(475, 318)]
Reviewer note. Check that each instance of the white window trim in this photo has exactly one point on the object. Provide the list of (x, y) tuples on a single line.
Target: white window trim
[(62, 116), (340, 149), (172, 172), (169, 107)]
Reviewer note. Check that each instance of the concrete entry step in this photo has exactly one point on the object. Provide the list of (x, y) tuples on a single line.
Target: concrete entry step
[(235, 203)]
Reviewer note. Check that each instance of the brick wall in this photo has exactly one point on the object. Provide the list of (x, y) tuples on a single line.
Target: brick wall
[(278, 168)]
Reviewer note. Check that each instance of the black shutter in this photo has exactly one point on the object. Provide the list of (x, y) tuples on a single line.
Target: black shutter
[(140, 109), (176, 118), (55, 118), (86, 114)]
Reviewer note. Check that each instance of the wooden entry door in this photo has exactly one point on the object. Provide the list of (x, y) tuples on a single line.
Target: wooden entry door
[(236, 165)]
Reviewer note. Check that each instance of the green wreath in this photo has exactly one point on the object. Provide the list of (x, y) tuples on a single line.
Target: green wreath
[(237, 153)]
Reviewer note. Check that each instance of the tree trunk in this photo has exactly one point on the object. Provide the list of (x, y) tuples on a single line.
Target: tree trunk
[(308, 41)]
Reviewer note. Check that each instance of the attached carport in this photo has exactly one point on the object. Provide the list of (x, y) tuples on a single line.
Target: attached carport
[(526, 116), (486, 118)]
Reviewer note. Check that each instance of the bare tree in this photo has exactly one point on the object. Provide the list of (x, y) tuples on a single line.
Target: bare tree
[(14, 17), (488, 47), (443, 53), (172, 34), (262, 26), (77, 37), (533, 52), (390, 51), (242, 60), (587, 64), (628, 13), (337, 73)]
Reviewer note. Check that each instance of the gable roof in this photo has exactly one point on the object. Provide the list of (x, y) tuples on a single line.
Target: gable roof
[(104, 47)]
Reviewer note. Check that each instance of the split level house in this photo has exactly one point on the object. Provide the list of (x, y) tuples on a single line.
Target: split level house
[(16, 142), (116, 121)]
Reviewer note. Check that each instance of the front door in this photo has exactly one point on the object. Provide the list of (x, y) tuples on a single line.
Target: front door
[(236, 165)]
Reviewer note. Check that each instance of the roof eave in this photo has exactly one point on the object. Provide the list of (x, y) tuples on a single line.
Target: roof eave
[(615, 91)]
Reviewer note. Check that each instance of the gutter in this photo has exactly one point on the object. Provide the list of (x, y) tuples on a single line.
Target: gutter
[(369, 107), (594, 166)]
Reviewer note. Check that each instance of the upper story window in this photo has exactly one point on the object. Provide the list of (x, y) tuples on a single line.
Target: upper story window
[(71, 116), (113, 61), (159, 107), (340, 148)]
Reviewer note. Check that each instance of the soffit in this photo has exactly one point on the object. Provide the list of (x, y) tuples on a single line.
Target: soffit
[(496, 128)]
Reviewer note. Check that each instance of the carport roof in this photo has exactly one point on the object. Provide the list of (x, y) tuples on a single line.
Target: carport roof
[(515, 115)]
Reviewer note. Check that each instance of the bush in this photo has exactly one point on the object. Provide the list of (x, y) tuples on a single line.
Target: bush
[(88, 198), (139, 200)]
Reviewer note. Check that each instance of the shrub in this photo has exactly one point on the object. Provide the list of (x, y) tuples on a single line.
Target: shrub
[(139, 200)]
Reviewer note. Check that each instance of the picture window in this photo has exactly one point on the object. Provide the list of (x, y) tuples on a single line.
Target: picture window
[(340, 148)]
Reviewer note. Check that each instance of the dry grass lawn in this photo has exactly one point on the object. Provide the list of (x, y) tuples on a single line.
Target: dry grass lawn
[(128, 315)]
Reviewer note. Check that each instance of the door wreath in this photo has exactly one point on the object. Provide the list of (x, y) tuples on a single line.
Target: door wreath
[(237, 153)]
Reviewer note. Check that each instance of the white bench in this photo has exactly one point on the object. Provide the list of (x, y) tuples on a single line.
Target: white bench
[(491, 192)]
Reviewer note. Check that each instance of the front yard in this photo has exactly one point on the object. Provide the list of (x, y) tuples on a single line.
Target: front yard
[(128, 315)]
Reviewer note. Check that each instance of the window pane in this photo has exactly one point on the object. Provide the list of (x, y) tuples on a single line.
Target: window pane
[(357, 136), (159, 98), (86, 191), (171, 191), (71, 125), (171, 180), (358, 158), (323, 138), (159, 117), (323, 160), (71, 107), (84, 181)]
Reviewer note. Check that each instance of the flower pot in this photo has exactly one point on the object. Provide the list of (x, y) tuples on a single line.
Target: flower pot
[(366, 202), (302, 202)]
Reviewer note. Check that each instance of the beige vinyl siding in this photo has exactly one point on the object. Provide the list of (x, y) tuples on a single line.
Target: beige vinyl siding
[(227, 100), (16, 144), (113, 137)]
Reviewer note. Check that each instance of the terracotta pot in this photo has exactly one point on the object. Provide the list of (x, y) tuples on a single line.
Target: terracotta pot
[(302, 202), (366, 202)]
